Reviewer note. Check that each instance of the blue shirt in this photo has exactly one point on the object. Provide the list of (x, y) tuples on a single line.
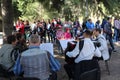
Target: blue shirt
[(90, 25)]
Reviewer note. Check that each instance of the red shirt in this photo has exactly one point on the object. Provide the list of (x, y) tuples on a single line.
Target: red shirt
[(20, 28)]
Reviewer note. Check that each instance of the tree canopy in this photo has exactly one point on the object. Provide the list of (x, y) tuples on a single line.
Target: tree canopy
[(68, 9)]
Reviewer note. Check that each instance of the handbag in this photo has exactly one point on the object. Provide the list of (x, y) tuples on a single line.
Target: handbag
[(54, 64)]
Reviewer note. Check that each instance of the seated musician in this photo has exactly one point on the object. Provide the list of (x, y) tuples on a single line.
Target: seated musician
[(103, 47), (86, 53)]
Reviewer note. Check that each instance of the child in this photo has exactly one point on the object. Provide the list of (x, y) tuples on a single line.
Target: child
[(67, 34)]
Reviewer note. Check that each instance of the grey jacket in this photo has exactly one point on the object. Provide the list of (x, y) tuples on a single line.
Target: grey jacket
[(107, 28), (5, 59)]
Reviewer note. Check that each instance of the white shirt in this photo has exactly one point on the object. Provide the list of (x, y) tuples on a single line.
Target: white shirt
[(33, 27), (104, 47), (48, 26), (87, 52), (117, 24), (78, 32)]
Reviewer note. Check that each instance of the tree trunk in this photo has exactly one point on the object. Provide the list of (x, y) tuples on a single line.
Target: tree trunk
[(7, 17), (0, 18)]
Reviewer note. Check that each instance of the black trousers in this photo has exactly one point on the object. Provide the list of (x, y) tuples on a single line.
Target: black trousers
[(70, 68), (53, 76)]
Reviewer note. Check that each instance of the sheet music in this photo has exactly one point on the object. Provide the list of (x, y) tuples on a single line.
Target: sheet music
[(48, 47), (63, 43)]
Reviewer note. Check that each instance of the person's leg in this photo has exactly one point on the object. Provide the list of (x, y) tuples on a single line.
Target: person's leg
[(111, 43), (118, 34), (115, 34), (53, 76), (69, 70), (48, 34), (60, 50)]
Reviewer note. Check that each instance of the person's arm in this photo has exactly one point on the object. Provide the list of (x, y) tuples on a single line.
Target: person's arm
[(97, 52), (103, 44), (75, 52), (87, 25)]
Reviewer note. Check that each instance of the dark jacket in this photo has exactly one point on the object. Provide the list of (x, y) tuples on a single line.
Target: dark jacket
[(108, 28)]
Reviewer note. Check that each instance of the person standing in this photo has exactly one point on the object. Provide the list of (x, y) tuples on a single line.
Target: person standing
[(116, 29), (108, 32), (90, 24), (20, 27), (76, 24), (97, 24)]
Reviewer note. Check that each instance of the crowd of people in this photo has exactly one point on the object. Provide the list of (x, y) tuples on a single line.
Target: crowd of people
[(35, 62)]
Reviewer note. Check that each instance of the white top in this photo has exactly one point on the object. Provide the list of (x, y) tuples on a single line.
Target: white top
[(104, 47), (48, 47), (33, 26), (117, 24), (64, 42), (87, 52), (48, 26)]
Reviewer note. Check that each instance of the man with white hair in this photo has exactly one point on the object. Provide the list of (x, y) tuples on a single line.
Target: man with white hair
[(35, 61)]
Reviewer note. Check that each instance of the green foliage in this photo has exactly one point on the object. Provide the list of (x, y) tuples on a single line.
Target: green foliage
[(69, 9), (16, 11)]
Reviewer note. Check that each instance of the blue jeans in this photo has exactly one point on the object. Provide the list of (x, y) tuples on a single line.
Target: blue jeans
[(109, 37), (116, 34)]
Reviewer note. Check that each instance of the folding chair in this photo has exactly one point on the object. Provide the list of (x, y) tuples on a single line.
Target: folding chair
[(89, 75)]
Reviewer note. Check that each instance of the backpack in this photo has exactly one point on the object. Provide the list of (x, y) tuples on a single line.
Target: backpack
[(14, 54), (17, 68), (71, 47)]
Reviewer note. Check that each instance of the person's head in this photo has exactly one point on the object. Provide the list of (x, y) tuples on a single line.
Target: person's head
[(116, 18), (87, 34), (34, 40), (97, 31), (18, 36), (79, 28), (26, 22), (67, 30), (34, 22), (98, 21), (43, 20), (90, 20), (49, 21), (11, 39), (109, 19)]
